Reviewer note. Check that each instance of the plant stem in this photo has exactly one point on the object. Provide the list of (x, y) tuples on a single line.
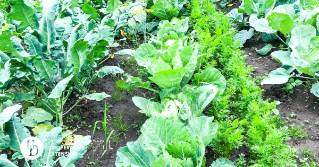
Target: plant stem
[(156, 91), (104, 60), (306, 77), (1, 110), (74, 105), (282, 41), (38, 87)]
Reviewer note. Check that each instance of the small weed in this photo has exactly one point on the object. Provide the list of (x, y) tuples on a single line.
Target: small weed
[(116, 138), (297, 132), (292, 115), (308, 159), (118, 94), (122, 127), (291, 84)]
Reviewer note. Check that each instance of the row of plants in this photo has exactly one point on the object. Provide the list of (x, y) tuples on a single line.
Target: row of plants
[(295, 24), (243, 117), (176, 133), (49, 51), (53, 49)]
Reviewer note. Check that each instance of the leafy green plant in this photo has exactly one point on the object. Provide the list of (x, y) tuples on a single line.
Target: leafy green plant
[(167, 142), (298, 132), (122, 127), (297, 22), (291, 84), (15, 131), (60, 56), (118, 94), (242, 99)]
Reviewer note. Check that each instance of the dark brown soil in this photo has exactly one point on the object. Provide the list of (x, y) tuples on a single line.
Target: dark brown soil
[(92, 111)]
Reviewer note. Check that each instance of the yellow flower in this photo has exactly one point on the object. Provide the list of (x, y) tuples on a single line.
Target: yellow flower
[(111, 56), (148, 10), (136, 12)]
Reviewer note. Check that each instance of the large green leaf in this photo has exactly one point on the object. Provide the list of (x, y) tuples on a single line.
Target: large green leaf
[(17, 132), (134, 155), (315, 89), (204, 128), (190, 66), (106, 70), (20, 96), (282, 56), (180, 149), (148, 107), (5, 97), (16, 42), (212, 76), (5, 73), (46, 68), (281, 22), (46, 24), (7, 113), (278, 76), (264, 51), (243, 35), (4, 141), (222, 163), (33, 45), (5, 162), (52, 143), (201, 97), (112, 5), (143, 52), (5, 42), (78, 55), (260, 25), (158, 132), (34, 116), (249, 7), (286, 9), (60, 87), (4, 57), (268, 38), (90, 10), (74, 36), (126, 52), (164, 10), (98, 51), (76, 152), (96, 96), (23, 13), (301, 37), (169, 78), (132, 83)]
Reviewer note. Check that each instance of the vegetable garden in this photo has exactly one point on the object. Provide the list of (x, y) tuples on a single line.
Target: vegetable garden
[(159, 83)]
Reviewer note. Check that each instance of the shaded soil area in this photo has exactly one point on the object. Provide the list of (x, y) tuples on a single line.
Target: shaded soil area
[(84, 116)]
